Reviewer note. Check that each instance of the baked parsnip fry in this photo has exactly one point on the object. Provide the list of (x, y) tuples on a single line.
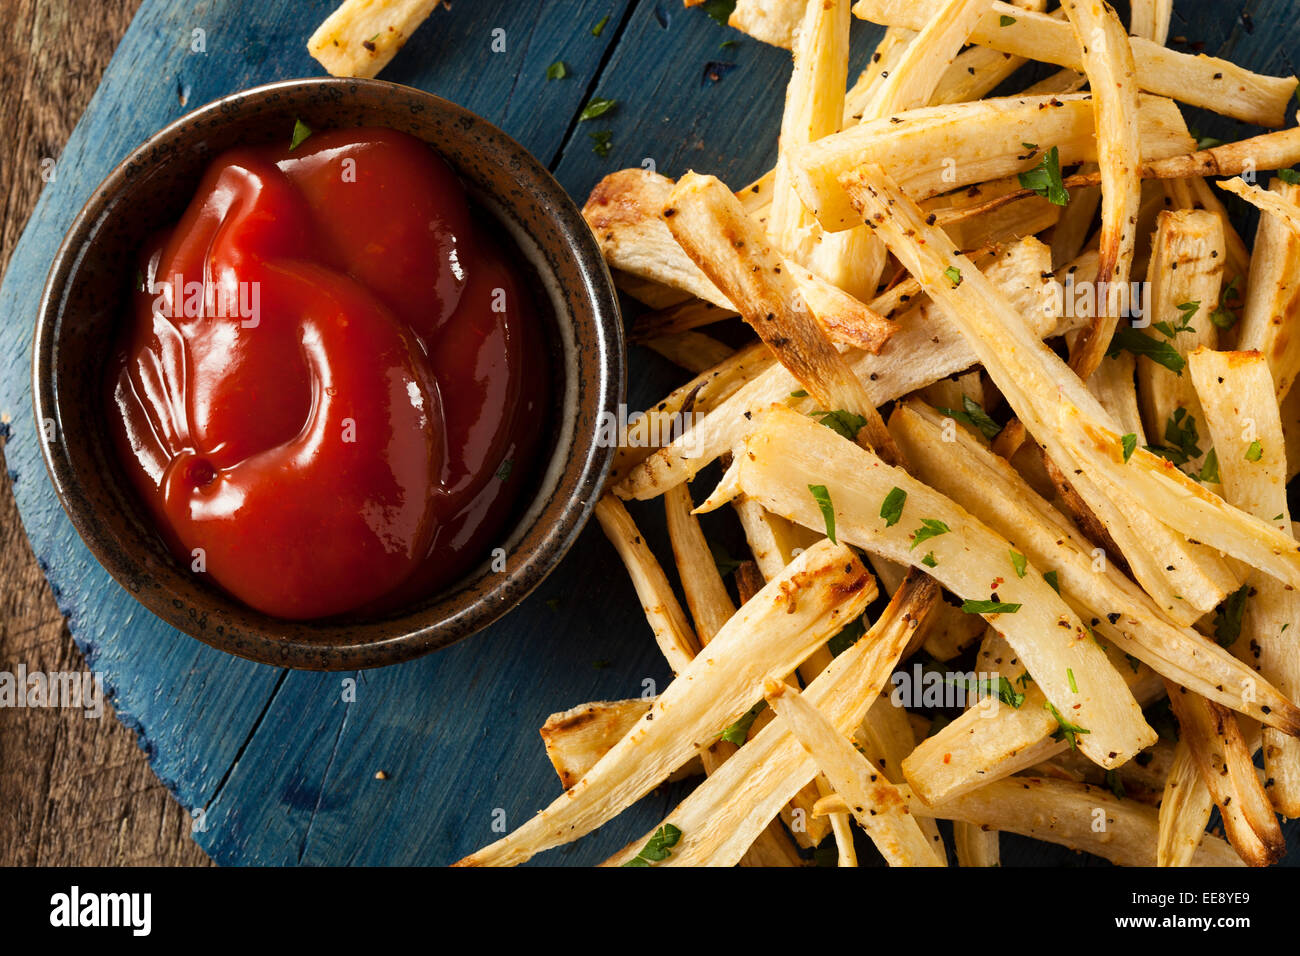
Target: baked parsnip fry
[(710, 225), (361, 36), (925, 347), (623, 212), (1185, 277), (1065, 418), (873, 800), (667, 620), (1205, 81), (1108, 63), (721, 817), (789, 454), (1184, 810), (1244, 423), (1270, 318), (936, 149), (821, 591), (1221, 753), (991, 490)]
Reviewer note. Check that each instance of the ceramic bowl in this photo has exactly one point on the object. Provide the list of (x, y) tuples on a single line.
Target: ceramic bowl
[(85, 300)]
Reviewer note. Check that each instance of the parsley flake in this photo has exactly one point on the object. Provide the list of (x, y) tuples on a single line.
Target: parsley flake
[(658, 848), (891, 509), (1045, 179), (930, 528), (823, 499)]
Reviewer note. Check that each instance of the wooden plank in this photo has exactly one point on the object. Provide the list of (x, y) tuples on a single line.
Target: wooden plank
[(282, 765)]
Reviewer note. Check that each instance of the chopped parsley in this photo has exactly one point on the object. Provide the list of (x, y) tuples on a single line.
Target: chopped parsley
[(842, 423), (557, 70), (595, 108), (891, 509), (930, 528), (989, 607), (954, 275), (1052, 578), (601, 142), (985, 688), (1222, 317), (1289, 176), (659, 847), (929, 560), (1186, 311), (1019, 562), (823, 499), (738, 732), (847, 637), (1129, 444), (975, 416), (799, 393), (1045, 179), (300, 132), (1227, 617), (599, 28), (1115, 784), (1255, 452), (720, 10), (507, 466), (1181, 439), (1129, 339), (1066, 731), (1210, 468), (1005, 21)]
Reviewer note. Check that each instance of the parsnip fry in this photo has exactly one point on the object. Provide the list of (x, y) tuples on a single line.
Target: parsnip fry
[(1275, 204), (1269, 150), (771, 21), (1185, 278), (1205, 81), (1150, 19), (814, 107), (1184, 810), (706, 595), (925, 347), (1070, 423), (821, 591), (1270, 319), (940, 148), (789, 452), (1242, 415), (623, 212), (1221, 753), (1112, 76), (361, 36), (992, 491), (709, 223), (1075, 815), (720, 817), (667, 620), (875, 802)]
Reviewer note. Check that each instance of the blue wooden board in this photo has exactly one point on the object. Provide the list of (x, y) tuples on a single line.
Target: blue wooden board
[(280, 766)]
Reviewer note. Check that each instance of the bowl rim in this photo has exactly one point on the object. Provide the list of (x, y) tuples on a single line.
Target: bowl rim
[(586, 462)]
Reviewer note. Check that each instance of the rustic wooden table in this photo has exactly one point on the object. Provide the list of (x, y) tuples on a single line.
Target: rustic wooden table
[(74, 791)]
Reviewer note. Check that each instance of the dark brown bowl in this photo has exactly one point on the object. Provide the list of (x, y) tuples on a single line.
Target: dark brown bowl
[(85, 299)]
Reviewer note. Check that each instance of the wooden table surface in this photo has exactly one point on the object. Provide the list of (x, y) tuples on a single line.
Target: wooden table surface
[(75, 791)]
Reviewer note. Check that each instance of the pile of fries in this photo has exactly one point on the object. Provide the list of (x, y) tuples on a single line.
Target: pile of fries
[(1084, 492)]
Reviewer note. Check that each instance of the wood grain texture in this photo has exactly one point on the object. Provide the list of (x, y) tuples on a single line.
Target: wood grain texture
[(283, 765), (75, 790)]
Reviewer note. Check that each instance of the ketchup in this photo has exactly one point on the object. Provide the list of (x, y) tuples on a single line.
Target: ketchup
[(330, 388)]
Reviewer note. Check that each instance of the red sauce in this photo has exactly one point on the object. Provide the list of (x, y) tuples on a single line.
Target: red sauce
[(329, 391)]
